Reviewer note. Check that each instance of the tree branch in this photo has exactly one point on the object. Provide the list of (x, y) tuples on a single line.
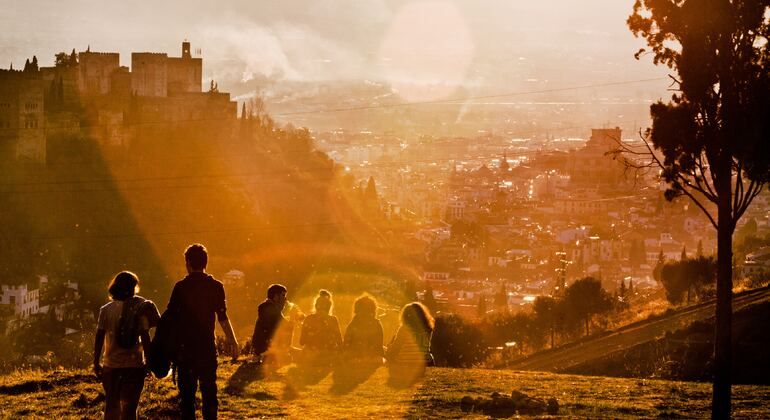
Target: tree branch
[(703, 209), (755, 188), (738, 189), (684, 181), (703, 169)]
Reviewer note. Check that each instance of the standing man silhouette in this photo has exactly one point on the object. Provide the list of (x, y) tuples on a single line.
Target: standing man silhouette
[(195, 301)]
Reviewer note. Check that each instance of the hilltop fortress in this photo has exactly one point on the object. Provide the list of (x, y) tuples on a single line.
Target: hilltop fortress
[(88, 94)]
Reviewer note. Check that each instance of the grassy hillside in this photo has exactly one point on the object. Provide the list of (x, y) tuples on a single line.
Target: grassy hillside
[(584, 353), (245, 392), (687, 354)]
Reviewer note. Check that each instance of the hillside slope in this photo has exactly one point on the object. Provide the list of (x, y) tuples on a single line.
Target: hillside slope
[(246, 394), (582, 352)]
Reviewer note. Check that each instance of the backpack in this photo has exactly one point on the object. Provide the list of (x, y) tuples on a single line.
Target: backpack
[(128, 326)]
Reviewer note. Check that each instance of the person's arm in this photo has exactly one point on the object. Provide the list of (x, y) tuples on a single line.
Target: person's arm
[(101, 331), (98, 345), (146, 342), (144, 334), (230, 335), (224, 322), (303, 333), (380, 339), (348, 337), (336, 334), (392, 349), (150, 311)]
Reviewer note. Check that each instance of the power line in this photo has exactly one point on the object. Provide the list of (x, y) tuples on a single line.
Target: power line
[(457, 100), (176, 233), (468, 98)]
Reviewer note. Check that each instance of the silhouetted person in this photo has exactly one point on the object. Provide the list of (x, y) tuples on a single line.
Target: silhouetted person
[(271, 327), (363, 336), (125, 342), (321, 338), (361, 348), (195, 301), (409, 351)]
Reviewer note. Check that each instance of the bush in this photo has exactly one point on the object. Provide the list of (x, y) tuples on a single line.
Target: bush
[(457, 343)]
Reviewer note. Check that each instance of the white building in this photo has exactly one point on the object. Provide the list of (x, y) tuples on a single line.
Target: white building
[(455, 210), (26, 302)]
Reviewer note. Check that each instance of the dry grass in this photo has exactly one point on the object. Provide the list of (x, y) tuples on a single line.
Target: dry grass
[(246, 393)]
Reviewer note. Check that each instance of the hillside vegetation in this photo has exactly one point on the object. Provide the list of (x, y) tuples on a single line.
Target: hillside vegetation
[(583, 355), (246, 393)]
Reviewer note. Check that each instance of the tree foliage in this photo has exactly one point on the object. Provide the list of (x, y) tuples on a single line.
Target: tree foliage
[(549, 315), (469, 233), (713, 133), (63, 59), (458, 343), (585, 298), (685, 279)]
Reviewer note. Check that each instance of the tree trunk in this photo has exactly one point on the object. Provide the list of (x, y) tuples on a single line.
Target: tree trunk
[(552, 334), (720, 408)]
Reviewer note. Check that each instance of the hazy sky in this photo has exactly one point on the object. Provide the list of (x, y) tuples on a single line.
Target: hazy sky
[(473, 42)]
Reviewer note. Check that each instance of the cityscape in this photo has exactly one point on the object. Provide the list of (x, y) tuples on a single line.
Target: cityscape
[(574, 224)]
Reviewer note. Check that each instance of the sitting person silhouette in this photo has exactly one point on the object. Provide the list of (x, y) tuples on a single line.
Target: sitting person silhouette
[(409, 351), (362, 348), (272, 327), (364, 336), (320, 336)]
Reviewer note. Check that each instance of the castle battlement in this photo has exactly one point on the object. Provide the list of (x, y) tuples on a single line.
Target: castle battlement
[(102, 54), (17, 74), (159, 55), (35, 97)]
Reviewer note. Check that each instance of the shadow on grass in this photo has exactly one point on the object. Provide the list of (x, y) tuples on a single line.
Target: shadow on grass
[(248, 372), (53, 380), (400, 377), (303, 375), (347, 377)]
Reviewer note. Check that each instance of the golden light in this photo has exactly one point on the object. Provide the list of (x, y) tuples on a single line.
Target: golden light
[(427, 51)]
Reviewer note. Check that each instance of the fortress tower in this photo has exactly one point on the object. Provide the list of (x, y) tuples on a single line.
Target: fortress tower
[(149, 74), (185, 74), (95, 70), (158, 75), (22, 119)]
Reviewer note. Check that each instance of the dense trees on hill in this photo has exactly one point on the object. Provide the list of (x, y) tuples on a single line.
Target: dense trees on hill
[(458, 343), (260, 197), (586, 298), (683, 280), (462, 343), (468, 232)]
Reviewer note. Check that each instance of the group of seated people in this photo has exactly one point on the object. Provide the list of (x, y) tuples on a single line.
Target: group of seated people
[(323, 344)]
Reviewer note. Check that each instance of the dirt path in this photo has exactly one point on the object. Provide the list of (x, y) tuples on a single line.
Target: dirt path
[(571, 355)]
